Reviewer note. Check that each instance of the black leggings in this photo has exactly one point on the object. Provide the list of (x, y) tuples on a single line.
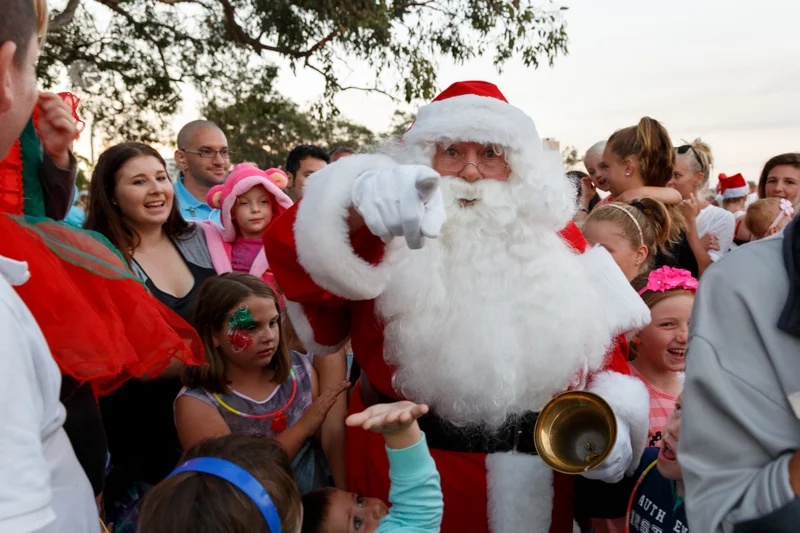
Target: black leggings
[(84, 427)]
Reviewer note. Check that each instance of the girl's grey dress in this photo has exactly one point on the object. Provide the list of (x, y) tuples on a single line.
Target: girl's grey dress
[(309, 466)]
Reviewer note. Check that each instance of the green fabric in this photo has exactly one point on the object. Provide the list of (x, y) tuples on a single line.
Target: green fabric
[(31, 165)]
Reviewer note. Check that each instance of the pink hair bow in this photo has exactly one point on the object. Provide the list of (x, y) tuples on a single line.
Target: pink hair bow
[(787, 210), (787, 207), (668, 278)]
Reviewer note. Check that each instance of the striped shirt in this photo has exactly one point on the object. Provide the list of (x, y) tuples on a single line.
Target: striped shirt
[(661, 406)]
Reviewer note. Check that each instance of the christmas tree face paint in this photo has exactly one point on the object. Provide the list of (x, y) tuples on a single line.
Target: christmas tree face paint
[(240, 324)]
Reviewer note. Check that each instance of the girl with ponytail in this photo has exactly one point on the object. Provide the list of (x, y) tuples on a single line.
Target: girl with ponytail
[(638, 162), (714, 226), (640, 157)]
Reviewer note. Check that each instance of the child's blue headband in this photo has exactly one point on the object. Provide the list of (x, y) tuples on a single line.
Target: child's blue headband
[(239, 478)]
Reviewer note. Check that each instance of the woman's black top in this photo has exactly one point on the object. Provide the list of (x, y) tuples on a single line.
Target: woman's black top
[(679, 255), (138, 416)]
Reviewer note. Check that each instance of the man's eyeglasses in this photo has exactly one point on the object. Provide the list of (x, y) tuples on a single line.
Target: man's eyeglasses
[(453, 161), (208, 153), (685, 148)]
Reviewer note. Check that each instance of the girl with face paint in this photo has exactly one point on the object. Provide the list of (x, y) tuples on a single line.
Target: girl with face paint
[(252, 383)]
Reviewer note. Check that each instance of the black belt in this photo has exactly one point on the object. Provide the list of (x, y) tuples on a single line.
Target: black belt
[(516, 434)]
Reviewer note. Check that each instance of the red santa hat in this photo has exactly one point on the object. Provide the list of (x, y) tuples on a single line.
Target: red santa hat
[(474, 111), (731, 187)]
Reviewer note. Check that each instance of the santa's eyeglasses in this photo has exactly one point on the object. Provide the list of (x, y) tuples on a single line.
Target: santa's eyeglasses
[(489, 162)]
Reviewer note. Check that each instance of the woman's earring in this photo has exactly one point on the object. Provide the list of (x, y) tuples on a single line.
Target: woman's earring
[(627, 173)]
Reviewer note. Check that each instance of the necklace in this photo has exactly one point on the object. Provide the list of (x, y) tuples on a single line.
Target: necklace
[(278, 417)]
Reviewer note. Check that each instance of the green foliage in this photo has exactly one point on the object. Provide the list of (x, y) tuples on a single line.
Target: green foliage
[(131, 59), (263, 129)]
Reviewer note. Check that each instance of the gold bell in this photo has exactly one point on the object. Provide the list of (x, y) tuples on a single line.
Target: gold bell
[(575, 432)]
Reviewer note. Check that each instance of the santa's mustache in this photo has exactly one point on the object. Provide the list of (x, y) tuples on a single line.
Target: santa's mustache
[(489, 202), (460, 189)]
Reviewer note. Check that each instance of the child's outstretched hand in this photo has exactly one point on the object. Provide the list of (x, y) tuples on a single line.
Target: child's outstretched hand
[(396, 421)]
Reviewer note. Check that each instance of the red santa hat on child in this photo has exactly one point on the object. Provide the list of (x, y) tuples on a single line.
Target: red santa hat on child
[(243, 178), (731, 187)]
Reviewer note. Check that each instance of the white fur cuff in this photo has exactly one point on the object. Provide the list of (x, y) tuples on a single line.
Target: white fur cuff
[(322, 234), (623, 309), (629, 399), (520, 491)]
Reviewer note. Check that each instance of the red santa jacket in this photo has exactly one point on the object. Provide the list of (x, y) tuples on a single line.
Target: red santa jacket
[(325, 321)]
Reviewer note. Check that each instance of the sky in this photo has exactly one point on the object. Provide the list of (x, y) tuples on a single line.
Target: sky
[(724, 70)]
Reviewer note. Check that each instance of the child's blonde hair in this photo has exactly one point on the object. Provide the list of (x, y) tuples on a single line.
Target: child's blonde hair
[(647, 214), (760, 216)]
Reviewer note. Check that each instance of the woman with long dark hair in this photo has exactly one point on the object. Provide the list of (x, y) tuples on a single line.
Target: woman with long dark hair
[(132, 203)]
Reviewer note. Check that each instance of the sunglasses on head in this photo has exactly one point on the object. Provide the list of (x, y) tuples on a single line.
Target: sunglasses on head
[(685, 148)]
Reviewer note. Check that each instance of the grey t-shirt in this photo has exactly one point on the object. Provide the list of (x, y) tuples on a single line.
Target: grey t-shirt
[(739, 430)]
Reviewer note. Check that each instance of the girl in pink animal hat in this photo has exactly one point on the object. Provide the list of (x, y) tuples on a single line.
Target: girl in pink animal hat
[(249, 200)]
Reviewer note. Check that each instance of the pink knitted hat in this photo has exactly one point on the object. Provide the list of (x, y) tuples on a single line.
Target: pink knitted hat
[(243, 178)]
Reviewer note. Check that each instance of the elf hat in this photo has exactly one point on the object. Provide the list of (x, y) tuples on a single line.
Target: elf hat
[(243, 178), (733, 186)]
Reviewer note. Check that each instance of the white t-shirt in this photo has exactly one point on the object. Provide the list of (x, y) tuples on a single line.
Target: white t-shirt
[(43, 488), (713, 219)]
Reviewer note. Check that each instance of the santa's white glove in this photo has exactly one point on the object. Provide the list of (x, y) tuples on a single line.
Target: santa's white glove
[(402, 201), (613, 468)]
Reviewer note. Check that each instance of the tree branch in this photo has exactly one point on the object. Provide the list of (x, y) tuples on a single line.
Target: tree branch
[(333, 81), (328, 38), (65, 17), (114, 5), (240, 35)]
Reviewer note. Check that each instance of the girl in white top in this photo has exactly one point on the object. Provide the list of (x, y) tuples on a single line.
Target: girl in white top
[(715, 226)]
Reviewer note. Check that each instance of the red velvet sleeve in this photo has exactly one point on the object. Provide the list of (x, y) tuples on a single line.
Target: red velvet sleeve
[(574, 237), (328, 315)]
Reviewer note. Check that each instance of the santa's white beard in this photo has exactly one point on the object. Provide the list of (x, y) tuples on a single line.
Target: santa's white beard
[(496, 315)]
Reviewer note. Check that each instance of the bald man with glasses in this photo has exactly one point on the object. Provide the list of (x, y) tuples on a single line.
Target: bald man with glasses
[(204, 160)]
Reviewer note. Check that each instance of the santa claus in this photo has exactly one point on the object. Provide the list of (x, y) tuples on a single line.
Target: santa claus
[(451, 262)]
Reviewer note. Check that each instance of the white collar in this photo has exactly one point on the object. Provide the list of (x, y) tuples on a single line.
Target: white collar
[(15, 272)]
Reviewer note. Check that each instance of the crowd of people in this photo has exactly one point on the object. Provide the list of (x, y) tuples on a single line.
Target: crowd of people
[(364, 342)]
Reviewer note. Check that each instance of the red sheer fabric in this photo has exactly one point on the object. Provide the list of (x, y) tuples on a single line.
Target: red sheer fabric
[(101, 323)]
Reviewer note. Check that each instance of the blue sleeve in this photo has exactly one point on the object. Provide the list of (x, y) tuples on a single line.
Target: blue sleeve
[(416, 492)]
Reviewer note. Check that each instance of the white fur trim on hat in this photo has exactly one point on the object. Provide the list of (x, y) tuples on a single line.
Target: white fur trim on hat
[(629, 399), (736, 192), (304, 330), (472, 118), (486, 120), (623, 308), (520, 493), (322, 234)]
